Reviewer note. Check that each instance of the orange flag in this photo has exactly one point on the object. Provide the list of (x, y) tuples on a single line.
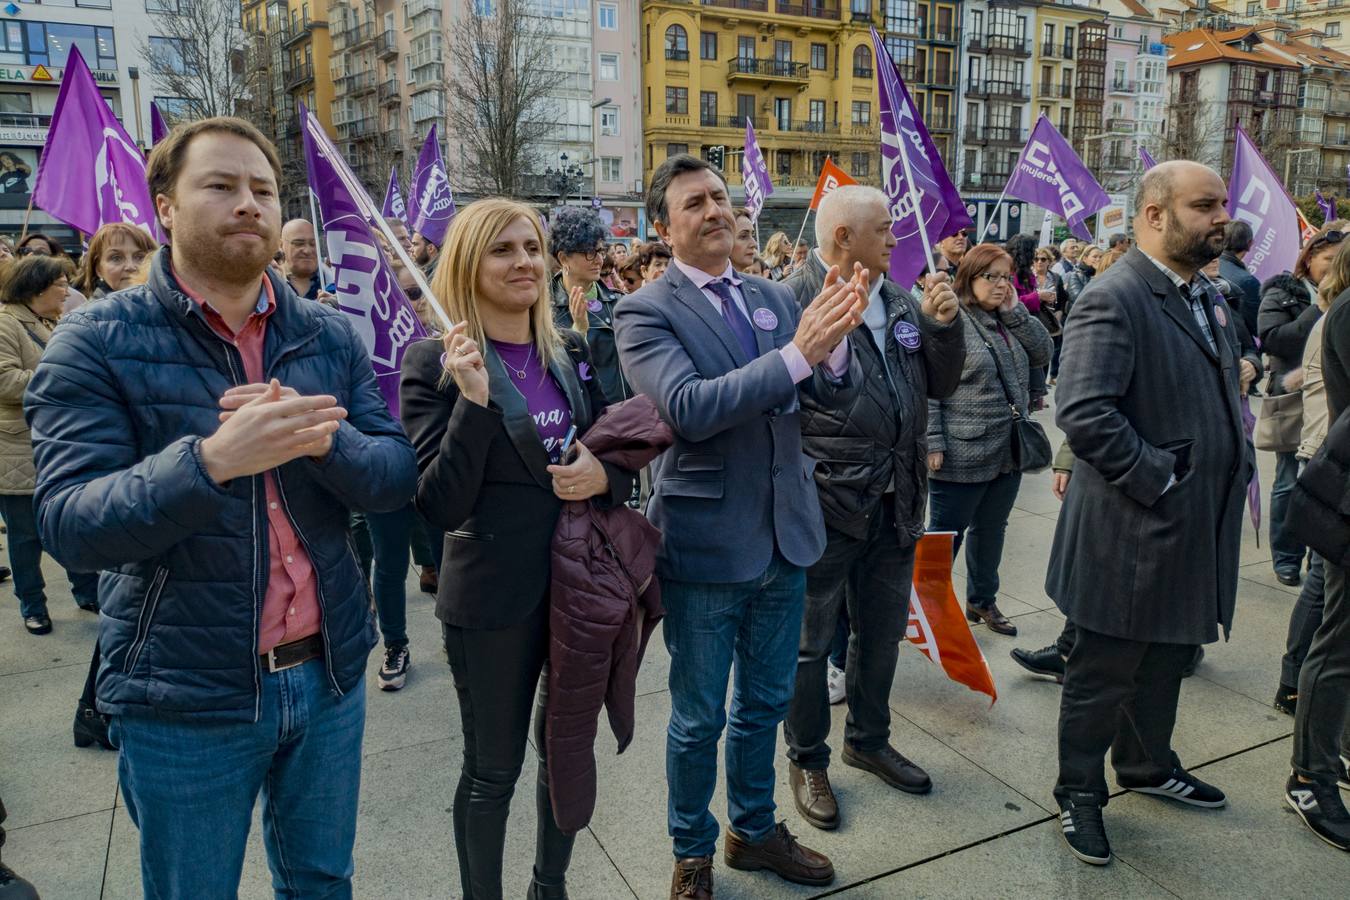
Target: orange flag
[(937, 624), (1305, 225), (831, 177)]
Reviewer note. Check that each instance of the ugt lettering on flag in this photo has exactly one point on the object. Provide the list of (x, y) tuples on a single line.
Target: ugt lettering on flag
[(367, 290), (1256, 196), (1050, 175), (435, 204), (754, 173), (940, 212), (91, 173), (394, 207), (937, 624)]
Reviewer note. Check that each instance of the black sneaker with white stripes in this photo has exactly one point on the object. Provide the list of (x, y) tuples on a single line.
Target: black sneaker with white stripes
[(394, 672), (1320, 808), (1080, 821), (1183, 787)]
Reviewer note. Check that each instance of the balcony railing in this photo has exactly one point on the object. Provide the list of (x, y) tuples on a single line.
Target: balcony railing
[(1054, 91), (1052, 51), (751, 5), (767, 68), (1120, 126), (358, 129), (1009, 90), (677, 55), (737, 122), (1122, 86), (361, 34), (985, 181), (1119, 162), (24, 120), (995, 134), (999, 43), (862, 71), (388, 92), (811, 10), (810, 127), (301, 74), (361, 82), (387, 44)]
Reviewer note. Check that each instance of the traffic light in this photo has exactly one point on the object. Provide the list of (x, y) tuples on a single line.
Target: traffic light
[(717, 156)]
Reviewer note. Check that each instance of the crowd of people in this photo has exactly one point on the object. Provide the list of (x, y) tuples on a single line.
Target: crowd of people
[(745, 446)]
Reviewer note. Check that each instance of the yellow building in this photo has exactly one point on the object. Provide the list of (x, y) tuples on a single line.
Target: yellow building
[(289, 51), (1069, 67), (803, 72)]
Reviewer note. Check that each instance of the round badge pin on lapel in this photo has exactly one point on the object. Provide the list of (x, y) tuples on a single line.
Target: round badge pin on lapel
[(907, 335), (765, 320), (1220, 316), (595, 306)]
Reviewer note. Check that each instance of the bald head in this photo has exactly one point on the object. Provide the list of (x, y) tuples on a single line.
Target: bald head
[(297, 244), (853, 224), (1180, 214)]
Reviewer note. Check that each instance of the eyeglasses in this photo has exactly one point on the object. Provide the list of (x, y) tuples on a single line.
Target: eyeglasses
[(413, 293), (996, 279), (593, 255), (1331, 237)]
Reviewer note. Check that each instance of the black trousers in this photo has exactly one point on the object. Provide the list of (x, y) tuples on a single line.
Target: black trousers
[(1322, 720), (871, 579), (496, 673), (1118, 694)]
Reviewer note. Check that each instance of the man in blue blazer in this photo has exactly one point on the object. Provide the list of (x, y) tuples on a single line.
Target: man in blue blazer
[(723, 356)]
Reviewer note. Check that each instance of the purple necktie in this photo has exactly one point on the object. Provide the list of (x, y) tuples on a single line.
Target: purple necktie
[(735, 319)]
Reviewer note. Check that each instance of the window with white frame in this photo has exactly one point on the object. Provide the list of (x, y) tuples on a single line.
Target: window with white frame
[(609, 67), (608, 17), (609, 121), (1332, 29), (611, 169)]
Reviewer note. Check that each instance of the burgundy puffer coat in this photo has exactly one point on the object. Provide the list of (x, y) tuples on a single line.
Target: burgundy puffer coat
[(604, 604)]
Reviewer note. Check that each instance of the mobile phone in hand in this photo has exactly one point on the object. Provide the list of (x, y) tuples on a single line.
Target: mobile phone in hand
[(568, 454)]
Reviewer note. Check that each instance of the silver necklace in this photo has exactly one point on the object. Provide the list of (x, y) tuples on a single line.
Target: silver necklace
[(520, 373)]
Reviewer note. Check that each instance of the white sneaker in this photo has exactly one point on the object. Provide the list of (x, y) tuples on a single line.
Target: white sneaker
[(834, 681)]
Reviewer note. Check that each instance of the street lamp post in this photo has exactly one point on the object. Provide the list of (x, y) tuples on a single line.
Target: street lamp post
[(1288, 154), (135, 75)]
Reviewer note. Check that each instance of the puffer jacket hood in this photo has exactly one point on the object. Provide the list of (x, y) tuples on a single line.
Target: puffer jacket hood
[(604, 605)]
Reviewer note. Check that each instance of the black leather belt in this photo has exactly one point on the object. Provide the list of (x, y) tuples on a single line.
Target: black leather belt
[(288, 656)]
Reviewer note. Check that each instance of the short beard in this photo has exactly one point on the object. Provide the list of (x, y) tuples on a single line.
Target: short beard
[(208, 257), (1185, 247)]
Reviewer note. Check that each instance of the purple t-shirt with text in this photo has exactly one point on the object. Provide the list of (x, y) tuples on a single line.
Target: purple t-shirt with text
[(546, 402)]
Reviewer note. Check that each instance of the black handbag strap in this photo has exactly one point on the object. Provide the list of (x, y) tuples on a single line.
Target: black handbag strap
[(42, 345), (998, 366)]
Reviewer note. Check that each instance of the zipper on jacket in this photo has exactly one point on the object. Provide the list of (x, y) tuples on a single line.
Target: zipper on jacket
[(146, 617)]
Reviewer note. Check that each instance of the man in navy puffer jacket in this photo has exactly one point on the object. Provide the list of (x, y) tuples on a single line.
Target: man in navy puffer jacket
[(200, 440)]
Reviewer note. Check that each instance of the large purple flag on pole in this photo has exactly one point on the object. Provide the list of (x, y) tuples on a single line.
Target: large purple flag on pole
[(433, 202), (367, 289), (754, 173), (1146, 157), (394, 207), (912, 175), (1050, 175), (159, 130), (1256, 196), (91, 172)]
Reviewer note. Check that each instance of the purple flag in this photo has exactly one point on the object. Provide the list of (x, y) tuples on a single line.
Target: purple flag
[(754, 173), (158, 129), (941, 212), (1328, 208), (393, 200), (1147, 158), (92, 172), (1256, 196), (1050, 175), (367, 288), (430, 191)]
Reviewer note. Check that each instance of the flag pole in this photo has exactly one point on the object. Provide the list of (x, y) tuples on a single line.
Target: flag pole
[(913, 192), (994, 212), (28, 212), (802, 230), (318, 241)]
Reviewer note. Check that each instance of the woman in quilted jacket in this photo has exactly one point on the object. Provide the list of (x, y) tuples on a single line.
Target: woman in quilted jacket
[(490, 409), (32, 290)]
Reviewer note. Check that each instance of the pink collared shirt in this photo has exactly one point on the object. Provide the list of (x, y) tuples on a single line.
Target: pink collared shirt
[(291, 603), (798, 368)]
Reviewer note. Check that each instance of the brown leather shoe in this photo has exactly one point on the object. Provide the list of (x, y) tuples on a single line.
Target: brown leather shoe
[(692, 879), (780, 854), (813, 797), (996, 620), (428, 581), (891, 767)]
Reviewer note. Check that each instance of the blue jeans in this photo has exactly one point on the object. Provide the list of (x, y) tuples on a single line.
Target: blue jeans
[(978, 513), (386, 538), (190, 789), (1285, 551), (25, 559), (757, 624)]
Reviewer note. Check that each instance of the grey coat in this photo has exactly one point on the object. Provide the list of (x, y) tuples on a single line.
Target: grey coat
[(736, 485), (1141, 399), (972, 428)]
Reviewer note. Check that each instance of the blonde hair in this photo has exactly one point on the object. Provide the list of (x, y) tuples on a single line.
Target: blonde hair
[(1337, 278), (471, 232), (778, 249)]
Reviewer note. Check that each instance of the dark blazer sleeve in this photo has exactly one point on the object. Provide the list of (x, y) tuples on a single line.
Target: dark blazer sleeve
[(620, 479), (944, 354), (1282, 333), (658, 364), (1096, 370), (450, 435)]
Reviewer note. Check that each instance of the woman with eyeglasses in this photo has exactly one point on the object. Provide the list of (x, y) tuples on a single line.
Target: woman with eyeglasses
[(577, 241), (1286, 316), (973, 482)]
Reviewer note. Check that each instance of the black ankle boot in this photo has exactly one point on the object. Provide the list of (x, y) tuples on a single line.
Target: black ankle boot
[(539, 891), (91, 727)]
